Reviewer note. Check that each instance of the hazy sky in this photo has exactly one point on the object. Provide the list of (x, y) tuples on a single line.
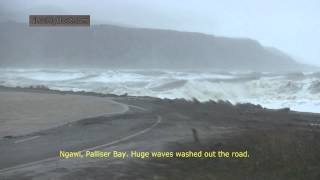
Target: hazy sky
[(290, 25)]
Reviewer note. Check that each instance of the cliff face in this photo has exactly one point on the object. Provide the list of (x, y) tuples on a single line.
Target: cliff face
[(111, 46)]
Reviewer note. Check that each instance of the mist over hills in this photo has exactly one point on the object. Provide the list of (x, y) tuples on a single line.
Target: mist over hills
[(108, 46)]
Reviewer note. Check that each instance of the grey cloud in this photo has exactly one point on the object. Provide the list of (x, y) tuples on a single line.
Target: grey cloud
[(290, 25)]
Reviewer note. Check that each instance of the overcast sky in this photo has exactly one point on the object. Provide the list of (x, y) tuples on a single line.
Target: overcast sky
[(289, 25)]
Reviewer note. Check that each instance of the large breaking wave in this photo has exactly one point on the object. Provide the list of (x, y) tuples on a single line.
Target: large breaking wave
[(298, 91)]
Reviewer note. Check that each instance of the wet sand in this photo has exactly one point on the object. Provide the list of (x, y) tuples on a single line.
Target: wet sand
[(26, 112)]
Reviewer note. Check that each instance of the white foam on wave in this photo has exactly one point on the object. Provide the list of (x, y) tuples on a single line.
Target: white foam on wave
[(298, 91)]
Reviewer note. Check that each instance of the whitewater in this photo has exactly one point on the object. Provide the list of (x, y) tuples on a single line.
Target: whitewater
[(300, 91)]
